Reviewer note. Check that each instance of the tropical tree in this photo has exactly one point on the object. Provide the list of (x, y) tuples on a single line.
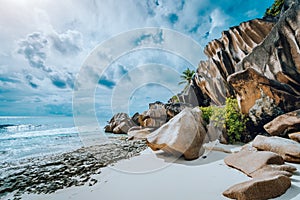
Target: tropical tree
[(187, 76)]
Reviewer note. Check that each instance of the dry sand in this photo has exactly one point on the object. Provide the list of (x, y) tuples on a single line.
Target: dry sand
[(157, 176)]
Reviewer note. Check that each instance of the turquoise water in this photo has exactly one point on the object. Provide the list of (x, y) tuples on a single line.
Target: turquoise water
[(24, 137)]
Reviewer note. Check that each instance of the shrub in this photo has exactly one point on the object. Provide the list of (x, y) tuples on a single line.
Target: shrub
[(206, 113), (228, 117), (175, 99), (235, 121)]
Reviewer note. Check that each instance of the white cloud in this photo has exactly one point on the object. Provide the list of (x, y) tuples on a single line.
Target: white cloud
[(252, 13), (218, 19), (55, 37)]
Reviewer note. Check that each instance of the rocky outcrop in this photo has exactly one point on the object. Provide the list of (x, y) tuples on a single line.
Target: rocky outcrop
[(156, 115), (183, 134), (288, 149), (276, 62), (175, 108), (119, 124), (259, 63), (224, 54), (277, 57), (259, 188), (193, 95), (284, 124)]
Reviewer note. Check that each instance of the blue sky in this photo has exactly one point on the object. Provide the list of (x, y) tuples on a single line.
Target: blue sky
[(45, 43)]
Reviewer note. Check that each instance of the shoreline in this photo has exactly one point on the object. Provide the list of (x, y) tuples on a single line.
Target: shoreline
[(47, 174), (133, 178)]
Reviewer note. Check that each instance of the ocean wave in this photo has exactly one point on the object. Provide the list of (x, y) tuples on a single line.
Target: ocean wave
[(11, 128), (40, 133)]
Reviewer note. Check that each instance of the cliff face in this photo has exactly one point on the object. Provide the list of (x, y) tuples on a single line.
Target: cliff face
[(224, 54), (277, 58), (259, 63)]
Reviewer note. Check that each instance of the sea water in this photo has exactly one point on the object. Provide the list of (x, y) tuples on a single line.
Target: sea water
[(29, 136)]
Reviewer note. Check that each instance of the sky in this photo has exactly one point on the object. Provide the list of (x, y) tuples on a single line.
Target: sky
[(46, 44)]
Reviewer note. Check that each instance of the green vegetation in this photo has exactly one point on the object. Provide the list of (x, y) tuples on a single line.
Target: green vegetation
[(228, 117), (175, 99), (187, 76), (275, 9), (207, 113)]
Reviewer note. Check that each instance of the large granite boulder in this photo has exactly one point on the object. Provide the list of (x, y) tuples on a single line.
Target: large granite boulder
[(288, 149), (259, 188), (120, 123), (184, 134), (284, 124)]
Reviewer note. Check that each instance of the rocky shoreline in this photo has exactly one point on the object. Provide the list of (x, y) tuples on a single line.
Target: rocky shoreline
[(51, 173)]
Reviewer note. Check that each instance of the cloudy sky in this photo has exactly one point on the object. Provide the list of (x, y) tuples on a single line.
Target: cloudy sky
[(44, 44)]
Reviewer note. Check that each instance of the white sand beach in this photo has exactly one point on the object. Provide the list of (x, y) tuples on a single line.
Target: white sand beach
[(156, 176)]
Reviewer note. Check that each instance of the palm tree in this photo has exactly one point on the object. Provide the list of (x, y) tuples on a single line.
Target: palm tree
[(187, 76)]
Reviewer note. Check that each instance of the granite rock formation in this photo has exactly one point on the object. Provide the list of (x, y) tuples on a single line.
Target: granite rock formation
[(224, 54), (182, 135), (120, 123)]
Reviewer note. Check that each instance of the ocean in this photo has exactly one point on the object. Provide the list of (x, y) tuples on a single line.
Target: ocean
[(29, 136)]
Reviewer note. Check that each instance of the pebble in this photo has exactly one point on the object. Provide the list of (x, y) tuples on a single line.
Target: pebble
[(51, 173)]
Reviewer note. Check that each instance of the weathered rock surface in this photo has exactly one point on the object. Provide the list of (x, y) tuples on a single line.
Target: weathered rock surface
[(183, 134), (156, 115), (51, 173), (138, 133), (288, 149), (193, 95), (250, 85), (284, 124), (295, 136), (263, 63), (224, 54), (175, 108), (119, 123), (259, 188), (270, 174), (277, 65), (277, 57), (249, 161)]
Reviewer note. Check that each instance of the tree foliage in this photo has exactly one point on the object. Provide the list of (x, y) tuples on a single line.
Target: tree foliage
[(274, 9), (187, 76)]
